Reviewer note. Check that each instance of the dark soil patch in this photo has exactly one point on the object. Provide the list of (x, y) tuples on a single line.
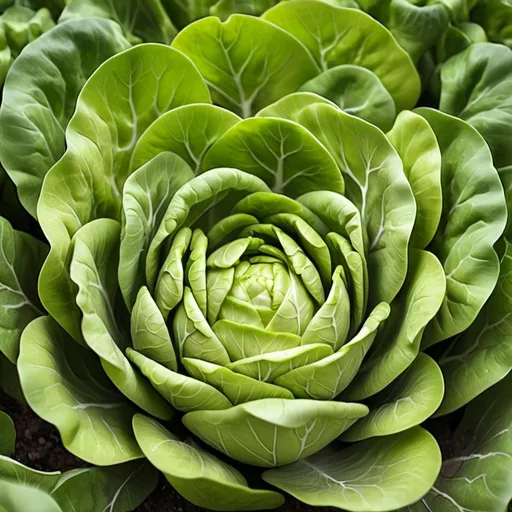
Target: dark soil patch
[(38, 444)]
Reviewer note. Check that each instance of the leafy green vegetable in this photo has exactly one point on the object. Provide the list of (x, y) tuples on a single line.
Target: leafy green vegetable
[(254, 240), (140, 20)]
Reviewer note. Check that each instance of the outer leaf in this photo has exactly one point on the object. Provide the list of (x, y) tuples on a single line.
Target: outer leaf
[(247, 62), (473, 218), (188, 131), (33, 136), (16, 497), (123, 97), (196, 474), (283, 154), (408, 401), (65, 386), (376, 184), (21, 257), (480, 476), (141, 20), (15, 471), (476, 87), (335, 36), (146, 195), (272, 432), (357, 91), (8, 435), (376, 475), (95, 258), (481, 355), (118, 488), (416, 144), (398, 344)]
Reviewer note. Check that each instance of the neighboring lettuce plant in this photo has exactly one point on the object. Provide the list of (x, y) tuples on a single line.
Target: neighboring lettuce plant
[(253, 235), (19, 26)]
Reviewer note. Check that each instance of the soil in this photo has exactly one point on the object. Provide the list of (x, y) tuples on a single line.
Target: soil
[(38, 445)]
